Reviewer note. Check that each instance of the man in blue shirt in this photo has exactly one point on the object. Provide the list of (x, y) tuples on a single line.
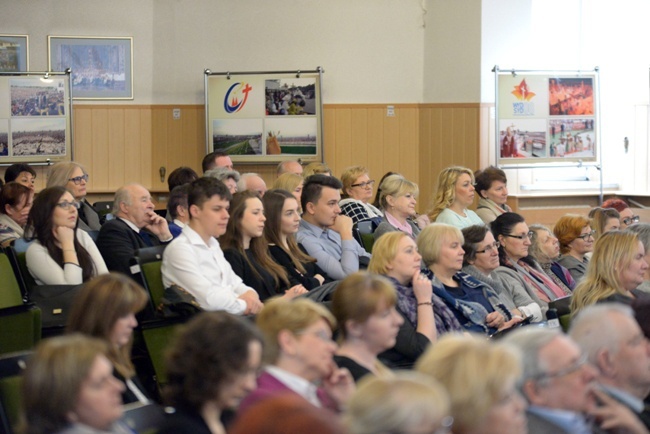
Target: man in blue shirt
[(324, 232)]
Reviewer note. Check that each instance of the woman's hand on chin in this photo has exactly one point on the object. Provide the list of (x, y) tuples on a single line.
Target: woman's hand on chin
[(64, 235)]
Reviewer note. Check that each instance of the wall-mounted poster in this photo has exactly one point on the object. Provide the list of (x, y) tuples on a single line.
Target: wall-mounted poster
[(35, 121), (544, 117), (14, 53), (264, 117)]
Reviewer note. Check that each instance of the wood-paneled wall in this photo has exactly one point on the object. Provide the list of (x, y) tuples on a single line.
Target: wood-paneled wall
[(129, 143)]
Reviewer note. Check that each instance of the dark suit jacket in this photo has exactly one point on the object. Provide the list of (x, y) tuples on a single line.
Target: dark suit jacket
[(117, 243)]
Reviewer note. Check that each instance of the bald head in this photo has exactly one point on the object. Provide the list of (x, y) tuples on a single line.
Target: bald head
[(253, 182), (290, 167)]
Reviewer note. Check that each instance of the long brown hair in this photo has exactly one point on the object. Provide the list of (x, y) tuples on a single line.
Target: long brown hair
[(273, 201), (233, 239), (97, 307)]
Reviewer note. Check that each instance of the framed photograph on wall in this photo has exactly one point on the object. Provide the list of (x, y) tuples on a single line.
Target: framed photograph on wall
[(265, 117), (102, 67), (14, 53)]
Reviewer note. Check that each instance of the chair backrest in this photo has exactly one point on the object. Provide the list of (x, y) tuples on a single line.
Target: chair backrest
[(103, 208), (147, 263), (21, 328), (10, 291), (144, 418), (11, 370), (157, 336), (363, 233)]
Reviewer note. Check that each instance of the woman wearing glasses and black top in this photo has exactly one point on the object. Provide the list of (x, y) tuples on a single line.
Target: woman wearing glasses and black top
[(357, 193), (74, 177), (576, 240), (517, 266), (61, 254)]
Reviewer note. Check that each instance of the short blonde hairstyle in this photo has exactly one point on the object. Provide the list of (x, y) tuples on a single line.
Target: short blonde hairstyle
[(384, 251), (288, 181), (396, 186), (61, 172), (316, 168), (568, 228), (476, 373), (613, 253), (292, 315), (401, 403), (350, 175), (431, 239), (358, 297), (446, 193)]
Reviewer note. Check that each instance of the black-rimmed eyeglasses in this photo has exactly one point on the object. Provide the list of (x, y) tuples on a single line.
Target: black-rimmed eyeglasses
[(629, 220), (364, 184), (77, 179), (584, 237), (66, 205), (494, 246), (528, 236)]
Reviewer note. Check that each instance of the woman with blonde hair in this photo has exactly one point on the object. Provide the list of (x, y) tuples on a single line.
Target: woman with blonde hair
[(616, 269), (397, 199), (68, 388), (455, 193), (576, 239), (481, 378), (395, 256), (290, 182), (475, 305), (407, 402), (74, 177), (105, 308), (316, 168), (356, 195), (299, 350), (364, 307)]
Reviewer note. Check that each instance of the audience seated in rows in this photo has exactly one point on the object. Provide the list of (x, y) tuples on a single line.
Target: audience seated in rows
[(215, 159), (105, 308), (289, 166), (195, 261), (492, 188), (253, 182), (480, 261), (134, 227), (325, 234), (619, 352), (426, 316), (69, 388), (356, 195), (74, 177), (282, 223), (229, 177), (15, 204), (481, 378), (559, 384), (22, 174), (397, 199), (212, 365), (476, 306), (518, 270), (61, 254), (247, 251), (299, 350), (454, 195), (177, 209), (576, 240), (364, 307)]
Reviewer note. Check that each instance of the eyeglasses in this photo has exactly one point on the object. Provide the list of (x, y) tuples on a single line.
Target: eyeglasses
[(77, 179), (320, 334), (587, 235), (494, 246), (66, 205), (629, 220), (364, 184), (528, 236), (575, 366)]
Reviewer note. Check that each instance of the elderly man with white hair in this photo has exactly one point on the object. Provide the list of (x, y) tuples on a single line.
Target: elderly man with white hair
[(252, 181), (560, 385), (613, 342)]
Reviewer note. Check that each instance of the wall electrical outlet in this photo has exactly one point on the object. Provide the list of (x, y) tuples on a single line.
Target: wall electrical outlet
[(176, 113), (390, 110)]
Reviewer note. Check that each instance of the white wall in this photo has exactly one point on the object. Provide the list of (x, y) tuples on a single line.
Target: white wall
[(371, 50)]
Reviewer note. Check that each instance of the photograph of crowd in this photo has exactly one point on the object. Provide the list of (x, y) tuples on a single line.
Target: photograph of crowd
[(572, 138), (571, 96), (291, 136), (522, 138), (31, 97), (290, 97), (238, 136), (4, 137), (34, 137)]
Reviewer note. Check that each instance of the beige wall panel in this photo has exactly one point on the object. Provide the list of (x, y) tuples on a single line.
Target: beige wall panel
[(408, 142), (116, 146), (146, 140), (100, 151), (134, 127), (83, 150), (341, 157), (360, 148), (160, 143), (377, 162)]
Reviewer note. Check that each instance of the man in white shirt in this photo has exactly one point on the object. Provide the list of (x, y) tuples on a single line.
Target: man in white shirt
[(194, 260)]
